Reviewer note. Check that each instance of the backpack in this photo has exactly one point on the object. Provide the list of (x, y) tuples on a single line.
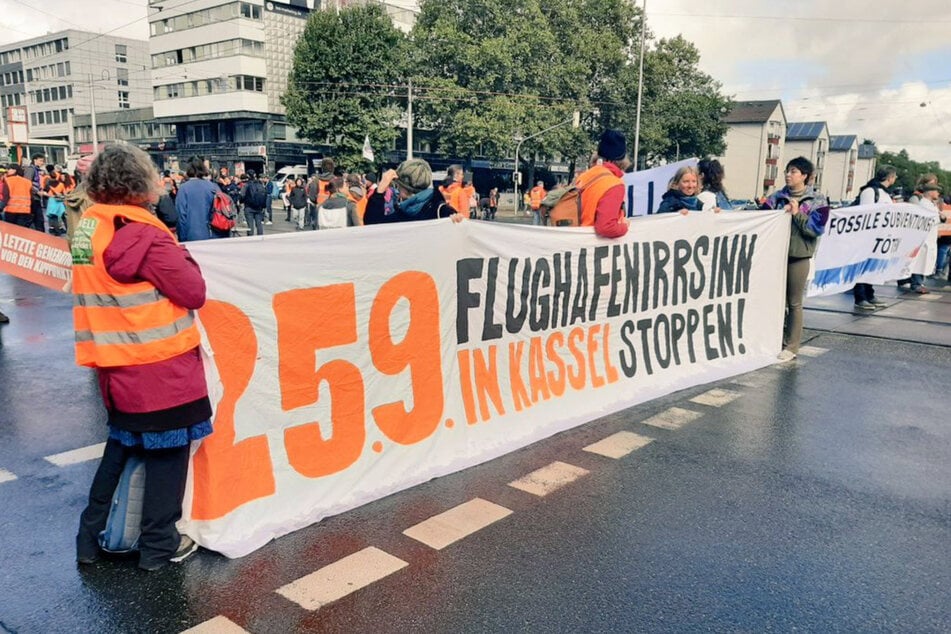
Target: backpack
[(563, 206), (877, 191), (255, 196), (125, 515), (223, 214)]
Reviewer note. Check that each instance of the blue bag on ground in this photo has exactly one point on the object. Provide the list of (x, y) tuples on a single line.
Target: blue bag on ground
[(125, 517)]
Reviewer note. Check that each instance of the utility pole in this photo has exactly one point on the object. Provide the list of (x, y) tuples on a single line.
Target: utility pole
[(640, 86), (92, 112), (409, 120)]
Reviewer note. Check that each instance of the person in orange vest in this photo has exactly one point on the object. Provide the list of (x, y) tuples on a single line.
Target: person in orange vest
[(17, 198), (450, 188), (356, 199), (135, 290), (602, 190), (536, 196)]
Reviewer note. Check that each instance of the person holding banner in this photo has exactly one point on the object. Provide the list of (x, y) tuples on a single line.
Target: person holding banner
[(681, 194), (809, 211), (418, 200), (601, 187), (874, 192), (713, 197), (135, 290), (927, 193)]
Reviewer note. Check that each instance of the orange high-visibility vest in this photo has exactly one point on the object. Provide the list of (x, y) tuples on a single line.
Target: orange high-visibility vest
[(595, 183), (21, 192), (121, 324), (322, 193), (58, 189), (537, 196)]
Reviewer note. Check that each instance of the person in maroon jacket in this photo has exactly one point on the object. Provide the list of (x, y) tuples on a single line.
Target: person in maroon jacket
[(155, 410)]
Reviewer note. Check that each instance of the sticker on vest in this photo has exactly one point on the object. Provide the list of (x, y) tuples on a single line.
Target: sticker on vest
[(81, 247)]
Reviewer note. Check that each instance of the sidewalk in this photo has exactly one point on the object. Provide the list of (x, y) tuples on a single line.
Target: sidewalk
[(908, 316)]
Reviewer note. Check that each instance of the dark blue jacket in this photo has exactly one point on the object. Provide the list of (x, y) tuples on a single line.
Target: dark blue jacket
[(193, 204)]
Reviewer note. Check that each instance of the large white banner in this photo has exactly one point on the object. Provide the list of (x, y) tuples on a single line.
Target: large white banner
[(873, 244), (347, 365), (646, 187)]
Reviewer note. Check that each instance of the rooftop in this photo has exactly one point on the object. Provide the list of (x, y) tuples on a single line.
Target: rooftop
[(752, 111), (807, 131)]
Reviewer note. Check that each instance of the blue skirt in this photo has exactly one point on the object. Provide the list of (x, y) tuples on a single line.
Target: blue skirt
[(161, 439)]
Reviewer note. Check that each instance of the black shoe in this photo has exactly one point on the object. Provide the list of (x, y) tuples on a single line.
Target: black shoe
[(864, 305), (4, 319), (877, 302), (86, 560)]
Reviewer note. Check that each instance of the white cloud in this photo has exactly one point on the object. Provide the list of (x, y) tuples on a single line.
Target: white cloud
[(861, 66)]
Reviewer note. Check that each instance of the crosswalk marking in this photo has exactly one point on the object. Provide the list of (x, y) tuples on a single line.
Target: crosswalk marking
[(812, 351), (83, 454), (343, 577), (449, 527), (716, 397), (619, 445), (217, 625), (752, 379), (7, 476), (547, 479), (673, 418)]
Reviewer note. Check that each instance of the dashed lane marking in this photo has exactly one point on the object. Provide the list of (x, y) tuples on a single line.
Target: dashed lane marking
[(619, 445), (673, 418), (217, 625), (547, 479), (752, 379), (716, 397), (812, 351), (930, 297), (449, 527), (83, 454), (341, 578), (7, 476)]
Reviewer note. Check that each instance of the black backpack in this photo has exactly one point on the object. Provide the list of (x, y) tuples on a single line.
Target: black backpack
[(256, 195), (878, 192)]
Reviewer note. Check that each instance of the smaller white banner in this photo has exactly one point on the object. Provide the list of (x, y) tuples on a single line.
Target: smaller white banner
[(872, 244), (645, 188)]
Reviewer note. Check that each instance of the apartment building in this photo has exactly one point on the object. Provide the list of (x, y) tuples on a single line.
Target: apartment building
[(840, 168), (811, 140), (755, 136), (59, 75), (865, 165)]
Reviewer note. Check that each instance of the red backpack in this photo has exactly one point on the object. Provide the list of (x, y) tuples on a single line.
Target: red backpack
[(223, 214)]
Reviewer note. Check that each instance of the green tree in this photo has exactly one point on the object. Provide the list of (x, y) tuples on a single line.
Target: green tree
[(909, 170), (344, 83)]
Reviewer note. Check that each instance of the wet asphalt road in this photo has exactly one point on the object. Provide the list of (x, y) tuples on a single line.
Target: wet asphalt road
[(818, 500)]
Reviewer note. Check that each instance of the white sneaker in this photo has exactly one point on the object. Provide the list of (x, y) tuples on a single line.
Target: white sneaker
[(269, 223), (786, 355)]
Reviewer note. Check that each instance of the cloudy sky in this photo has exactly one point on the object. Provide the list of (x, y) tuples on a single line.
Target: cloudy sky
[(873, 68)]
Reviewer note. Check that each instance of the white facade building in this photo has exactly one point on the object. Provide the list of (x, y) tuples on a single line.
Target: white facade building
[(865, 165), (754, 142), (840, 168), (52, 76)]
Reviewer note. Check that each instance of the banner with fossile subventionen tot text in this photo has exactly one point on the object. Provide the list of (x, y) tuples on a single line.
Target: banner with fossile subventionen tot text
[(347, 365)]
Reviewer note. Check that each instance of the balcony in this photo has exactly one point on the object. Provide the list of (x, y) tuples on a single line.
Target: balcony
[(772, 161), (768, 182), (772, 139)]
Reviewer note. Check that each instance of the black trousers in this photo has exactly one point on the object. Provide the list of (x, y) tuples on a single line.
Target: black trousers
[(863, 292), (165, 473), (39, 215)]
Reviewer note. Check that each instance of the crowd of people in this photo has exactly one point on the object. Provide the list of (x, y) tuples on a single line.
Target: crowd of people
[(130, 247)]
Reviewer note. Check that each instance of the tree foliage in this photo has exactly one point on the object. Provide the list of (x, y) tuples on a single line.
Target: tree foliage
[(909, 170), (345, 79)]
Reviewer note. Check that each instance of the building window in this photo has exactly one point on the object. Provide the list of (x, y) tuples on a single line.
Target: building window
[(33, 118), (201, 133), (122, 76), (123, 100), (122, 53)]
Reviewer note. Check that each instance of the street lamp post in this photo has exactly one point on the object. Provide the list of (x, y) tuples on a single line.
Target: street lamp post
[(575, 121), (640, 86)]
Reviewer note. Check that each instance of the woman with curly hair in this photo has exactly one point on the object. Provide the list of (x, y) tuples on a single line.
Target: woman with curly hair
[(134, 292)]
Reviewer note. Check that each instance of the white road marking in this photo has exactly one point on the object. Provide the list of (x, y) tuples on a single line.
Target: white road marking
[(547, 479), (673, 418), (619, 445), (716, 397), (812, 351), (930, 297), (343, 577), (217, 625), (449, 527), (7, 476), (755, 379), (83, 454)]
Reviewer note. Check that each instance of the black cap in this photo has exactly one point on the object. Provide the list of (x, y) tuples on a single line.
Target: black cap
[(612, 146)]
